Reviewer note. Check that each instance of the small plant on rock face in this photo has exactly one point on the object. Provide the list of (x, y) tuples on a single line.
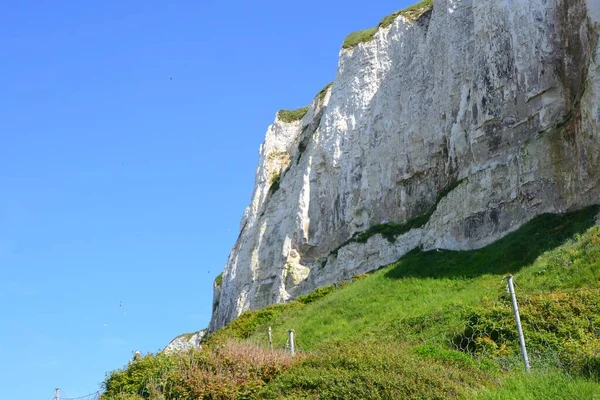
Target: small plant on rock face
[(219, 280), (323, 92), (275, 178)]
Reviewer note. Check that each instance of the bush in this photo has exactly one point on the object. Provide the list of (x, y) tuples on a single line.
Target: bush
[(561, 329), (230, 370), (363, 370)]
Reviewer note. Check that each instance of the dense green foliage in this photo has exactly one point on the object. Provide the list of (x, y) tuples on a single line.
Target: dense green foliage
[(358, 370), (412, 13), (434, 324), (290, 116), (563, 330), (228, 371)]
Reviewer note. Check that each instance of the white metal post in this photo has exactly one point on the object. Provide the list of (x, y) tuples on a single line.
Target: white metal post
[(292, 349), (270, 339), (513, 297)]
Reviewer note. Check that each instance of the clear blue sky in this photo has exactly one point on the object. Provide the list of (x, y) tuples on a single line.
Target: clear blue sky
[(118, 183)]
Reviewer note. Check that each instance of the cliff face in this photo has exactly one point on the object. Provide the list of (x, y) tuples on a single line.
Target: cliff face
[(185, 342), (445, 132)]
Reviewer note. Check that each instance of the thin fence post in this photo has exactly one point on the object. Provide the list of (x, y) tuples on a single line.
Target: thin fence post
[(270, 339), (291, 340), (513, 297)]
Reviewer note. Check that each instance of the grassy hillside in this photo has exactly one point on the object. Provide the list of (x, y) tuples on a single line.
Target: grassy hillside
[(434, 324)]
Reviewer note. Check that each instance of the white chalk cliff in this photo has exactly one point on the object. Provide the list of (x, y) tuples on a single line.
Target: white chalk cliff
[(462, 125)]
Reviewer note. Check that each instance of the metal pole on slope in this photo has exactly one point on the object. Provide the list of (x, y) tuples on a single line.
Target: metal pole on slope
[(270, 339), (513, 298), (292, 349)]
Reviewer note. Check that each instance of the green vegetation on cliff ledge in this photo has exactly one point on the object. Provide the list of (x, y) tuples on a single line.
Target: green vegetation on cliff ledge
[(275, 178), (434, 325), (219, 280), (357, 37), (323, 92), (412, 13), (290, 116), (391, 230)]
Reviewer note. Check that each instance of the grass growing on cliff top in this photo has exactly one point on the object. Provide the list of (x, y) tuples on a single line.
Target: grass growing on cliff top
[(290, 116), (411, 13), (395, 333)]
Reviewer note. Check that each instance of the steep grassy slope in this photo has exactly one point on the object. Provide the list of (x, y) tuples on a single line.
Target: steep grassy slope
[(433, 325)]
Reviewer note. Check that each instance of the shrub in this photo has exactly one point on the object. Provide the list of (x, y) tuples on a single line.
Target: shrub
[(561, 329), (230, 370), (363, 370)]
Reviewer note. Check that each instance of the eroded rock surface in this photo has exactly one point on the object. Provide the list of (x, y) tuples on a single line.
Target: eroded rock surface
[(476, 118), (185, 342)]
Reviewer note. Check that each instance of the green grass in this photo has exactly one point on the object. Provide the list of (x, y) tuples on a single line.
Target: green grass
[(358, 370), (412, 13), (290, 116), (357, 37), (430, 290), (552, 385), (438, 324)]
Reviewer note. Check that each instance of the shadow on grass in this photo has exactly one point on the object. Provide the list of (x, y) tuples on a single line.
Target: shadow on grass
[(508, 255)]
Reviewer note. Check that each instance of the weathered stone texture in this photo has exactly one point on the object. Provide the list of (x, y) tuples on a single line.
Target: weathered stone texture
[(501, 96), (185, 342)]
